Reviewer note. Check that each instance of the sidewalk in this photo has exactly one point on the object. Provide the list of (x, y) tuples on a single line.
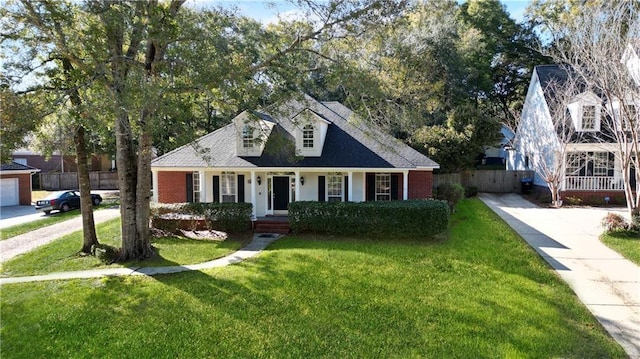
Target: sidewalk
[(257, 245), (23, 243), (567, 238)]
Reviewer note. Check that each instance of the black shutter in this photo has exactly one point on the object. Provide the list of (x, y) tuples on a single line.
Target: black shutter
[(240, 188), (321, 189), (216, 189), (612, 159), (346, 188), (394, 187), (371, 187), (189, 180)]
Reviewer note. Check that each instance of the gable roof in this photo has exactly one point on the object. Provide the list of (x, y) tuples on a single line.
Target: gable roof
[(17, 167), (349, 143)]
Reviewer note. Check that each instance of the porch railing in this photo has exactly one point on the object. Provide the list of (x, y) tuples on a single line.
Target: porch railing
[(592, 183)]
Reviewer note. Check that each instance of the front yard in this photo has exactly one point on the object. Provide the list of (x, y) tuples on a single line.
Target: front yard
[(481, 293)]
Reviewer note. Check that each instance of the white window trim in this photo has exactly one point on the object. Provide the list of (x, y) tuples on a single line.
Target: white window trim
[(308, 129), (224, 176), (596, 119), (247, 136), (196, 186), (341, 180), (378, 193)]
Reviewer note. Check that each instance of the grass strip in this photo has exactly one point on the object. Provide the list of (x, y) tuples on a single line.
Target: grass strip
[(627, 244)]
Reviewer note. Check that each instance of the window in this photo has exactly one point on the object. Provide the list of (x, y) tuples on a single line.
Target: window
[(247, 136), (602, 163), (22, 161), (588, 117), (228, 187), (334, 188), (383, 186), (573, 164), (196, 186), (307, 136)]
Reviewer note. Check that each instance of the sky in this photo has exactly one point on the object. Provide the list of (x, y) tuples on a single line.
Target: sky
[(267, 11)]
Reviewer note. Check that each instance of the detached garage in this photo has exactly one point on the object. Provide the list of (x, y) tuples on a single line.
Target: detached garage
[(15, 184)]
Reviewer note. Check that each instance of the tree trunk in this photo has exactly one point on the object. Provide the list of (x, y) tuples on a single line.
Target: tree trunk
[(89, 237), (144, 185)]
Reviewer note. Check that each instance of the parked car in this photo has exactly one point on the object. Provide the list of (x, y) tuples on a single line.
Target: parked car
[(64, 201)]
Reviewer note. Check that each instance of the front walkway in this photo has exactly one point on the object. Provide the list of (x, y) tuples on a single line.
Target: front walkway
[(257, 245), (568, 239)]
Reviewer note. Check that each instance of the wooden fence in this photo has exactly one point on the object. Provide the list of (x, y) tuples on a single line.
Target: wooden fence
[(69, 180), (496, 181)]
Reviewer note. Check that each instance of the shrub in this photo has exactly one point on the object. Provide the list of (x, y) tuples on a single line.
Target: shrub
[(572, 201), (450, 192), (614, 222), (470, 191), (415, 218), (228, 217)]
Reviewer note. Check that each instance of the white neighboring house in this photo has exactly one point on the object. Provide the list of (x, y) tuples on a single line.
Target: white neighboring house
[(591, 168)]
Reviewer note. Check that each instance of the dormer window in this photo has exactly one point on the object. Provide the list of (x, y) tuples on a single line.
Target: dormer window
[(307, 136), (588, 118), (247, 136)]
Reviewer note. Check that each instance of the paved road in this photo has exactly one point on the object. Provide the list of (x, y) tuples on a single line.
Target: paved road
[(567, 238), (23, 243)]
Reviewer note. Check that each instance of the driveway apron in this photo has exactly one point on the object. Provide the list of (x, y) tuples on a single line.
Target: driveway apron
[(568, 239)]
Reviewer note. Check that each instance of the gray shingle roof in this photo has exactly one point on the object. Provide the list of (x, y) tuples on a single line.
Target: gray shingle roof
[(349, 143), (14, 166)]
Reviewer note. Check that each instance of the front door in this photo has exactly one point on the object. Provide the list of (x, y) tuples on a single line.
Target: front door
[(281, 192)]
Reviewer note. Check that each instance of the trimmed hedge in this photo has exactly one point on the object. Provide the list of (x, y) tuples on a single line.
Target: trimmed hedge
[(406, 219), (228, 217)]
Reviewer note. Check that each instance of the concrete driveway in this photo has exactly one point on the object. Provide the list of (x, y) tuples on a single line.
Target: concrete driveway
[(568, 239), (14, 215)]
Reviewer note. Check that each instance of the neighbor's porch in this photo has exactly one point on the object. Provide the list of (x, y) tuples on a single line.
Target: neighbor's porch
[(592, 171)]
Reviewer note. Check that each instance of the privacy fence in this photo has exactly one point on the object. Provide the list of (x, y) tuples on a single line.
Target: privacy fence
[(69, 180), (496, 181)]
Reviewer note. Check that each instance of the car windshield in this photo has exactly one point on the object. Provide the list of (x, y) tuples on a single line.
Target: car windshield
[(54, 195)]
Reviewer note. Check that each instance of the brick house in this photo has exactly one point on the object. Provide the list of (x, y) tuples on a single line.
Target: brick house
[(306, 150), (15, 184)]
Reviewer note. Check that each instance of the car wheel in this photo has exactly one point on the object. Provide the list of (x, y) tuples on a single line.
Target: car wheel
[(64, 208), (46, 213), (96, 201)]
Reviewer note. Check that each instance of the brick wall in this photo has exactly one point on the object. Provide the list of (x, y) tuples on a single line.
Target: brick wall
[(24, 187), (172, 187), (420, 184), (595, 197)]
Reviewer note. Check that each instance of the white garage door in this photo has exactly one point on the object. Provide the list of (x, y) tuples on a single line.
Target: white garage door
[(9, 192)]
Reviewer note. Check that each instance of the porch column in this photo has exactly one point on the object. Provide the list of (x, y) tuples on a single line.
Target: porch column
[(364, 186), (253, 192), (350, 186), (297, 185), (203, 186), (405, 185)]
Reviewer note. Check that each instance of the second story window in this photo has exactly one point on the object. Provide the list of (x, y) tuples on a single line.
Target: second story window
[(247, 136), (307, 136), (588, 118)]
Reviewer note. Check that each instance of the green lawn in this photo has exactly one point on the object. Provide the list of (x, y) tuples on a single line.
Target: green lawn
[(627, 244), (60, 256), (481, 293)]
